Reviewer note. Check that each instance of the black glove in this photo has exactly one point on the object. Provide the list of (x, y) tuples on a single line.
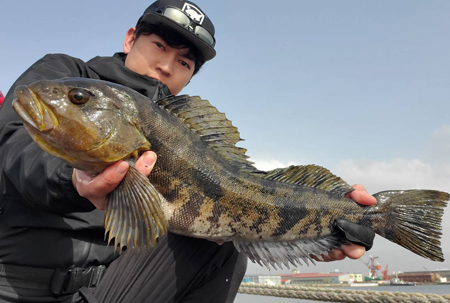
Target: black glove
[(355, 233)]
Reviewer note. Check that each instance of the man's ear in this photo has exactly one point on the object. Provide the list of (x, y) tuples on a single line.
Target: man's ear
[(129, 40)]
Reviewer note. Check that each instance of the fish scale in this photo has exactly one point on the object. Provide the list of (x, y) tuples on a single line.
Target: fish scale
[(204, 186)]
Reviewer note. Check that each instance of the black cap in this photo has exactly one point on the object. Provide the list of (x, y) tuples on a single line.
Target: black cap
[(154, 15)]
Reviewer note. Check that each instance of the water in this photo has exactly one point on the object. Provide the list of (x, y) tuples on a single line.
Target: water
[(424, 289)]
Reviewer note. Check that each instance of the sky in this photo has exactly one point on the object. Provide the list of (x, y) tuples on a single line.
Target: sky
[(359, 87)]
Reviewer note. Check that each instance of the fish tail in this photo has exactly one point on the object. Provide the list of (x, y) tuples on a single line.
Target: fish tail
[(412, 219)]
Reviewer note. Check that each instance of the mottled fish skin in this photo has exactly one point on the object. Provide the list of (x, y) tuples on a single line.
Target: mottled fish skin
[(209, 190), (241, 209)]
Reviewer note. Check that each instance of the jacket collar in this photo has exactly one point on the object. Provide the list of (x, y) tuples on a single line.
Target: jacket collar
[(113, 69)]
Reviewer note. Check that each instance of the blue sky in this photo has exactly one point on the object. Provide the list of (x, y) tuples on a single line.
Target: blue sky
[(360, 87)]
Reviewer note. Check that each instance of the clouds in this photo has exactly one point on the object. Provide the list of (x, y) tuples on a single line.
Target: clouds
[(430, 171), (376, 175), (270, 164), (394, 174)]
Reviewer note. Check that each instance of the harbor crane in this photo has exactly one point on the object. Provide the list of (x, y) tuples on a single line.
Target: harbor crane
[(374, 266)]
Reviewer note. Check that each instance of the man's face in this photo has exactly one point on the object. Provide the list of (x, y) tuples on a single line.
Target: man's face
[(150, 56)]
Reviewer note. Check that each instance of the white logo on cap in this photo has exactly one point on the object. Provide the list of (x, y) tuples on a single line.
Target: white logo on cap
[(193, 12)]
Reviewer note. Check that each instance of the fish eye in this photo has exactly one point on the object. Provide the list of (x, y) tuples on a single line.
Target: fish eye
[(78, 96)]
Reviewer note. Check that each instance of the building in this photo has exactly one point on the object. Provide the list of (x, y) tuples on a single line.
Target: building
[(270, 280), (321, 278), (418, 277), (432, 276), (444, 273), (355, 278)]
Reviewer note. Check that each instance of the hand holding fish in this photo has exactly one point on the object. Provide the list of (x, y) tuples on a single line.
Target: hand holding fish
[(96, 188), (352, 251)]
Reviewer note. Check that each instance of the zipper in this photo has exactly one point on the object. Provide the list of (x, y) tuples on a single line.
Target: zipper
[(159, 93)]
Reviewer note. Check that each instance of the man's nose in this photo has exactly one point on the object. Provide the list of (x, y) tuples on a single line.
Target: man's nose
[(165, 65)]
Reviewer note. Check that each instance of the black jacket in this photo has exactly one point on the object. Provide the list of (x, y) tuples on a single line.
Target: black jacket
[(43, 221)]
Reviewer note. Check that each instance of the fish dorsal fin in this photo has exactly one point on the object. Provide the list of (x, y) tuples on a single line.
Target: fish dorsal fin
[(210, 125), (311, 176)]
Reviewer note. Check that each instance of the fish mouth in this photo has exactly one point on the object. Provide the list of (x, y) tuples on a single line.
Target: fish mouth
[(39, 118), (33, 110), (103, 142)]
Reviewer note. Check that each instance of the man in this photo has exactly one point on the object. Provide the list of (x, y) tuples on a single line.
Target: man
[(51, 224)]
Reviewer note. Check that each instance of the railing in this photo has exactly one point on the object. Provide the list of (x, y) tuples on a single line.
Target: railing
[(339, 295)]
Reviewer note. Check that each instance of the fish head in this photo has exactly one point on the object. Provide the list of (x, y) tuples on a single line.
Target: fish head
[(88, 123)]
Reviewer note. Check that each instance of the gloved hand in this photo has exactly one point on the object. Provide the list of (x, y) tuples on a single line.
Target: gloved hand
[(355, 233)]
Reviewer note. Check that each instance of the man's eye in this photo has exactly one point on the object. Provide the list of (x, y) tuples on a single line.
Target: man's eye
[(184, 63), (158, 44)]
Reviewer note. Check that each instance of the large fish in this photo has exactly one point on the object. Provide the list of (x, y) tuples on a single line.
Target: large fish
[(203, 185)]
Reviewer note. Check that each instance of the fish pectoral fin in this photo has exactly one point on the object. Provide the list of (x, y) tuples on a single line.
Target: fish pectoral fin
[(133, 214), (278, 253)]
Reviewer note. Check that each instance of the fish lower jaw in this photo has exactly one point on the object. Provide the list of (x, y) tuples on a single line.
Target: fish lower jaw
[(43, 122), (23, 113), (32, 131)]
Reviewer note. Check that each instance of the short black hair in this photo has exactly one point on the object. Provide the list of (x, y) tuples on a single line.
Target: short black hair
[(173, 39)]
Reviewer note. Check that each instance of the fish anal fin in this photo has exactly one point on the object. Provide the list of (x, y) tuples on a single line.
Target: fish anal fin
[(133, 214), (279, 253)]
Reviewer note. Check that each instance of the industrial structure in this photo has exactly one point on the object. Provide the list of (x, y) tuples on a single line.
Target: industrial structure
[(373, 266)]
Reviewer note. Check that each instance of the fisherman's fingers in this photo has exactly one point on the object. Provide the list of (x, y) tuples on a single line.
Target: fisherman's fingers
[(334, 255), (146, 162), (361, 196), (351, 251), (96, 188)]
